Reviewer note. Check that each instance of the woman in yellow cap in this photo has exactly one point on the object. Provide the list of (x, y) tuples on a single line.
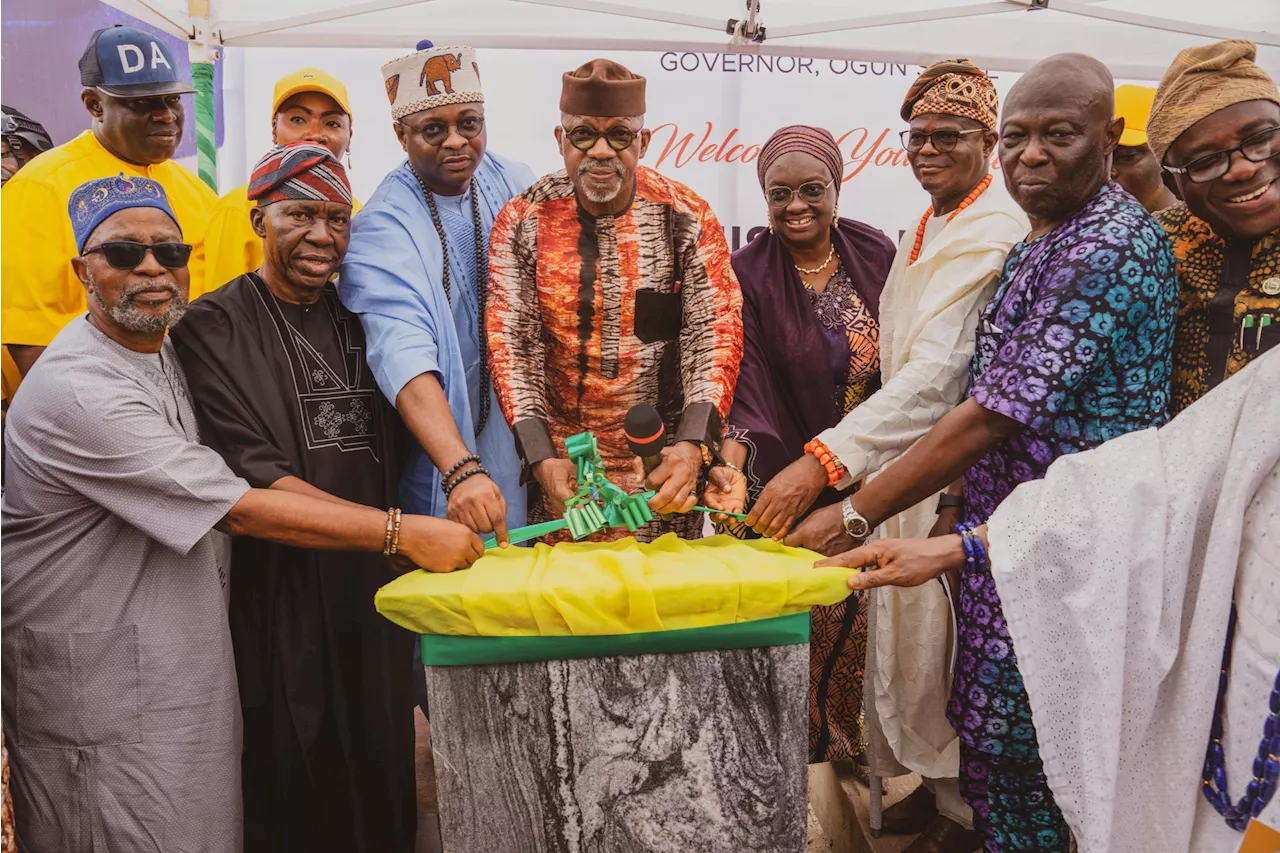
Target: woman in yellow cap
[(308, 105)]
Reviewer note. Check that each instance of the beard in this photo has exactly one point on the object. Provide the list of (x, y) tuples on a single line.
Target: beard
[(130, 317), (599, 196)]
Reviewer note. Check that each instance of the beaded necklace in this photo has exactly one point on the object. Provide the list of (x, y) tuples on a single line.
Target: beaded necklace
[(1266, 767), (482, 284), (924, 220)]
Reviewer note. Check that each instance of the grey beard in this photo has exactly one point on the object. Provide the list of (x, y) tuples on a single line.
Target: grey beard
[(129, 317), (600, 197)]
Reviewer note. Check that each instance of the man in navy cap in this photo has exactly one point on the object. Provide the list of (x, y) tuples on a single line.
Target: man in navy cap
[(133, 93)]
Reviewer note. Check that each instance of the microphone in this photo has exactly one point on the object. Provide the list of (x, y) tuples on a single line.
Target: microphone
[(646, 435)]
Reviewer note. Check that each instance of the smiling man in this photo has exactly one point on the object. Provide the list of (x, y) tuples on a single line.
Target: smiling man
[(1075, 348), (1215, 127), (134, 98), (610, 286)]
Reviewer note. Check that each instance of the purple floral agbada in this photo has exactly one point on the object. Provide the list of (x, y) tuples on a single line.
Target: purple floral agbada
[(1076, 345)]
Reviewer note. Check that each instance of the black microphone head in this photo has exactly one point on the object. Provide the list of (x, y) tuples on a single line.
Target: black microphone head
[(646, 434)]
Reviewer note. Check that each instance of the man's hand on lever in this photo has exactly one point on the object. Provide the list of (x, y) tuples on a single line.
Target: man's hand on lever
[(559, 480), (441, 546), (676, 479), (477, 503)]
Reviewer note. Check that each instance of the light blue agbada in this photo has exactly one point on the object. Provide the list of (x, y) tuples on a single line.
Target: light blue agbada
[(392, 278)]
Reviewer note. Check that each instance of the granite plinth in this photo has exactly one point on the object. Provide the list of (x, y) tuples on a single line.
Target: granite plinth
[(703, 752)]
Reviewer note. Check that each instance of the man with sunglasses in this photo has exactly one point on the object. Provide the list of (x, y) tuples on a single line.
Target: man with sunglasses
[(611, 286), (121, 708), (1215, 127), (133, 94), (416, 274)]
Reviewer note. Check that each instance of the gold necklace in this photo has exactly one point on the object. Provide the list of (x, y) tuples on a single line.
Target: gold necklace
[(821, 266)]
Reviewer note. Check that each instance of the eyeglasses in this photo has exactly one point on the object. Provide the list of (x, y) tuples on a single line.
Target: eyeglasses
[(127, 255), (148, 105), (436, 132), (1256, 149), (584, 138), (943, 140), (811, 193)]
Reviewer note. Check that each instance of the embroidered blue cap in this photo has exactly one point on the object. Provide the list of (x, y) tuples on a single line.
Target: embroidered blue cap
[(93, 202), (129, 63)]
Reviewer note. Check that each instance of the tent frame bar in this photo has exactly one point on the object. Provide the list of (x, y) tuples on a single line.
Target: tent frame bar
[(353, 10), (1076, 7)]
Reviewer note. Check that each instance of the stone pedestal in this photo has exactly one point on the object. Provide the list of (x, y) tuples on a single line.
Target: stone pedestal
[(702, 752)]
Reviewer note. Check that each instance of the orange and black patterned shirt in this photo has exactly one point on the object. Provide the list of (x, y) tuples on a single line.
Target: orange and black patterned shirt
[(1228, 306), (588, 316)]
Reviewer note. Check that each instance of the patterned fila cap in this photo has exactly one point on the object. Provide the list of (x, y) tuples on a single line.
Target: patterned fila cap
[(299, 171)]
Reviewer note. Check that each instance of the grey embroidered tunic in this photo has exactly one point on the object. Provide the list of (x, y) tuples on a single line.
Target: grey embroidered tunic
[(119, 686)]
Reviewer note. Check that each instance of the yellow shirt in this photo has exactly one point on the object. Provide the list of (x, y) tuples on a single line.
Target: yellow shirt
[(41, 293), (231, 247)]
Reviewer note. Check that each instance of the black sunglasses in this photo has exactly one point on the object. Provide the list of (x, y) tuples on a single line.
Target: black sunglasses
[(584, 138), (435, 132), (127, 255)]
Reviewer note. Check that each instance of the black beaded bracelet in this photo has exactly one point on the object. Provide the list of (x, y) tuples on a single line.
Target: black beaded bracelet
[(457, 466), (471, 472)]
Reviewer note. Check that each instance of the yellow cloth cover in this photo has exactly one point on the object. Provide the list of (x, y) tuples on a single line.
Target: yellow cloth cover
[(622, 587)]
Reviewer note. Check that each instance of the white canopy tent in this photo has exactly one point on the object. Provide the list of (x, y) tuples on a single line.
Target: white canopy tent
[(1135, 38)]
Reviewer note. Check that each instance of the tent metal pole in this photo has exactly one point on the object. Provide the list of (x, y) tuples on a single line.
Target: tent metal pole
[(868, 21), (203, 57), (233, 34), (1075, 7)]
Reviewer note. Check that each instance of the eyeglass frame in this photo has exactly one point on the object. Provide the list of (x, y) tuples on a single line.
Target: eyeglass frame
[(792, 193), (148, 248), (601, 134), (448, 126), (1229, 153), (905, 135)]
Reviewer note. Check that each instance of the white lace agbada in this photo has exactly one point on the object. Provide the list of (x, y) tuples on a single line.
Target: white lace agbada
[(1117, 572)]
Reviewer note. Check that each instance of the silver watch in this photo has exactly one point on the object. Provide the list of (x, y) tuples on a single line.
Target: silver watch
[(855, 524)]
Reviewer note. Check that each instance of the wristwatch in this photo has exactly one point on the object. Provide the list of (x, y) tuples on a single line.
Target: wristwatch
[(945, 500), (855, 524)]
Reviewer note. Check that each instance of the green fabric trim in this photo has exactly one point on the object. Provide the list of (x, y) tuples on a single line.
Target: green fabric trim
[(449, 650), (206, 137)]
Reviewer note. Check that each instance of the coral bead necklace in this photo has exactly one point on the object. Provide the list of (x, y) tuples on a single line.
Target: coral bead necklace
[(924, 220)]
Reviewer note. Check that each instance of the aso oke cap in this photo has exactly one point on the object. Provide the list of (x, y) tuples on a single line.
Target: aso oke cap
[(93, 202), (1200, 82), (1133, 104), (309, 80), (299, 171), (432, 77)]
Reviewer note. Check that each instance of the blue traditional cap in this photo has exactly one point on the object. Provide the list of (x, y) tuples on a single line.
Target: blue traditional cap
[(93, 202), (129, 63)]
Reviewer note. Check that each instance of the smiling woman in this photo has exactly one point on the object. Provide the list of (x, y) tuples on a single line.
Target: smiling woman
[(811, 293)]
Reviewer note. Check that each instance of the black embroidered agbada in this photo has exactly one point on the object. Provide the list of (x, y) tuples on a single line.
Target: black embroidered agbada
[(325, 682)]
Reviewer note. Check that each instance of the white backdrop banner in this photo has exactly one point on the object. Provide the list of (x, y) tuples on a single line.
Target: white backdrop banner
[(709, 114)]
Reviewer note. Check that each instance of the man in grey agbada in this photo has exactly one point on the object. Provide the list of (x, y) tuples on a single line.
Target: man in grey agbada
[(119, 696)]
